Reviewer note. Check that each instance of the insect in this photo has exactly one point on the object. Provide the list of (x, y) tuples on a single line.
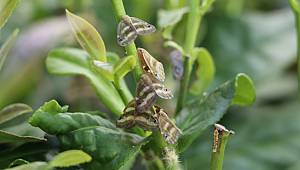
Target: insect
[(129, 119), (167, 128), (147, 93), (215, 146), (151, 65), (177, 64), (218, 132), (130, 27)]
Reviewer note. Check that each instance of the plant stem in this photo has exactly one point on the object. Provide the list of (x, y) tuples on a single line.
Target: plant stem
[(218, 157), (192, 27), (119, 11), (123, 91)]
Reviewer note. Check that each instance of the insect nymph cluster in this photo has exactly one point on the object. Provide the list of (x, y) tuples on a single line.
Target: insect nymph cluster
[(142, 111)]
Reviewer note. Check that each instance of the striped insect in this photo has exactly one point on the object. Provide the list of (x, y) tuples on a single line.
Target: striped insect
[(130, 27), (147, 93), (151, 65), (129, 119), (177, 64), (167, 128)]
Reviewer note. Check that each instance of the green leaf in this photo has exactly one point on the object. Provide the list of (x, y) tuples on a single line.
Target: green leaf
[(87, 36), (68, 61), (6, 8), (170, 17), (109, 148), (31, 166), (244, 90), (112, 57), (7, 137), (54, 119), (18, 162), (173, 44), (205, 111), (167, 19), (124, 66), (69, 158), (205, 71), (12, 111), (295, 5), (7, 46), (104, 69)]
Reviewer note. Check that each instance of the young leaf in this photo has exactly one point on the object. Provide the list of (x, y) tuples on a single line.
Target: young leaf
[(205, 71), (173, 44), (109, 148), (31, 166), (12, 111), (87, 36), (54, 119), (68, 61), (7, 46), (6, 8), (124, 66), (170, 17), (207, 110), (69, 158), (7, 137), (104, 69)]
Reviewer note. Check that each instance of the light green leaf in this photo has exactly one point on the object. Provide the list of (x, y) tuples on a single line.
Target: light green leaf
[(18, 162), (6, 8), (112, 57), (104, 69), (12, 111), (295, 5), (170, 17), (205, 71), (205, 111), (54, 119), (69, 158), (31, 166), (173, 44), (244, 90), (124, 66), (7, 46), (68, 61), (7, 137), (87, 36), (109, 148)]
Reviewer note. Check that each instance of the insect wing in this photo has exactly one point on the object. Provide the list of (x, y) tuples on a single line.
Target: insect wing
[(127, 119), (146, 121), (126, 32), (151, 65), (142, 27), (146, 95), (167, 128)]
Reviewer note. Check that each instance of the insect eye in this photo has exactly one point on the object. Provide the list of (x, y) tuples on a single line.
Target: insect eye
[(166, 89), (149, 26)]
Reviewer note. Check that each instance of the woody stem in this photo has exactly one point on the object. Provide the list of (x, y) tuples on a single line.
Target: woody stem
[(119, 11)]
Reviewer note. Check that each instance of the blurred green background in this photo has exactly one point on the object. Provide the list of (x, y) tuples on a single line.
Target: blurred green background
[(255, 37)]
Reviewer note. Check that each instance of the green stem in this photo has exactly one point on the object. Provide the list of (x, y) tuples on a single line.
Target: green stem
[(119, 11), (192, 27), (218, 156), (123, 91)]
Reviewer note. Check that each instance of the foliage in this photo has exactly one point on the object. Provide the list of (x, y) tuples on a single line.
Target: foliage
[(218, 42)]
